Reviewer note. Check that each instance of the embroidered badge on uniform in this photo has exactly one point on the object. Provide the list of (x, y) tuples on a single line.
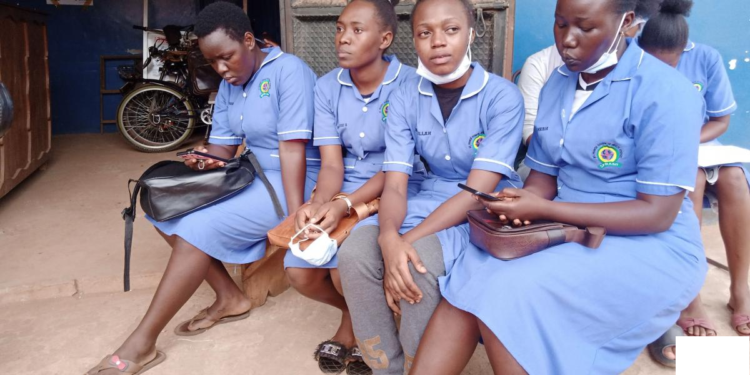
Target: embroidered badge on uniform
[(265, 88), (608, 155), (698, 86), (384, 110), (476, 141)]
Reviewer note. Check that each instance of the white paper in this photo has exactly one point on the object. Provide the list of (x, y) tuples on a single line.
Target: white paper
[(709, 156)]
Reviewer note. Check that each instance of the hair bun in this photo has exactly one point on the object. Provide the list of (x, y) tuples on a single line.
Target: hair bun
[(676, 7)]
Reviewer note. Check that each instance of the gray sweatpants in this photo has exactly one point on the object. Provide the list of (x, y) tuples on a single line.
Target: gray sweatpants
[(385, 349)]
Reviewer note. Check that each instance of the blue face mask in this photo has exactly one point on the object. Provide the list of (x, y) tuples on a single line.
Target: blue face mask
[(608, 58)]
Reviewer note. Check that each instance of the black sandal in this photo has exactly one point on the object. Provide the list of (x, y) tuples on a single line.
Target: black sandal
[(355, 364), (331, 357)]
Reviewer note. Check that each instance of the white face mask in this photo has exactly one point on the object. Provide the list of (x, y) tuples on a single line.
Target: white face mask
[(450, 77), (319, 252), (608, 58)]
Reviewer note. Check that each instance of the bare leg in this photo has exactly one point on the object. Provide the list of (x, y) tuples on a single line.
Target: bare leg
[(500, 358), (448, 342), (186, 270), (316, 284), (695, 308), (230, 300), (734, 222), (336, 278)]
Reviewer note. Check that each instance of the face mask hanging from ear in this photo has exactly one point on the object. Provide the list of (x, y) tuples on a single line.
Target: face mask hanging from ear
[(608, 58), (462, 68), (319, 252)]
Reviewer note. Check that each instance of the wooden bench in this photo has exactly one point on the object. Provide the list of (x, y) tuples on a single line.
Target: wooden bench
[(266, 277)]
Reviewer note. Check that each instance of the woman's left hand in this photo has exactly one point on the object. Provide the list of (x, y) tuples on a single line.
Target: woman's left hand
[(328, 216), (517, 206)]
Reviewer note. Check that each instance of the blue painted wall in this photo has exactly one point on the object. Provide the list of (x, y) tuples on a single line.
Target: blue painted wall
[(77, 37), (724, 24)]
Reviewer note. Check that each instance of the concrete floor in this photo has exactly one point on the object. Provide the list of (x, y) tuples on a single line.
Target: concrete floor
[(61, 279)]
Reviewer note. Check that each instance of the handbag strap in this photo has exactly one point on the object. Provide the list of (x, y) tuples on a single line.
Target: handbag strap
[(274, 198), (590, 237), (128, 214)]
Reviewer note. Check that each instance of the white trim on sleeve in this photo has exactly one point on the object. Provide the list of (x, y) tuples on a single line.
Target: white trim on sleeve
[(725, 109), (688, 188), (316, 138), (219, 137), (496, 162), (539, 162), (399, 162), (294, 131)]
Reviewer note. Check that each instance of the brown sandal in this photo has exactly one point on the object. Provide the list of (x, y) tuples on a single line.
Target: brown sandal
[(125, 367), (183, 329)]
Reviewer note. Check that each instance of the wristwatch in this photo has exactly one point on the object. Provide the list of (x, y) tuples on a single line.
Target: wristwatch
[(348, 204)]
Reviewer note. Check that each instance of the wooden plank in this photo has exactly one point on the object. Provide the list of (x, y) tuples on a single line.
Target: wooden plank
[(39, 119), (265, 277)]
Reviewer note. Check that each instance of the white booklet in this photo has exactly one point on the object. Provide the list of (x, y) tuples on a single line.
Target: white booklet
[(712, 155)]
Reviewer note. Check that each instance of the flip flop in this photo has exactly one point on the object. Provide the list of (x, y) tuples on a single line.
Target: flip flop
[(183, 329), (692, 322), (331, 357), (738, 320), (669, 338), (355, 363), (126, 367)]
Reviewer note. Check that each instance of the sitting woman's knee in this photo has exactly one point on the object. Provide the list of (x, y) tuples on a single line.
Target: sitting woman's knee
[(303, 277), (355, 248), (732, 182)]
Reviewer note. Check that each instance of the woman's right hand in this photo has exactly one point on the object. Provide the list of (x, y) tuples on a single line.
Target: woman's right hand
[(304, 214), (203, 164), (398, 282)]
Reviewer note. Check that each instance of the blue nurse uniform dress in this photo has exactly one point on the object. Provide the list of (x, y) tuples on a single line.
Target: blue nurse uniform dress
[(704, 67), (275, 105), (574, 310), (483, 132), (343, 117)]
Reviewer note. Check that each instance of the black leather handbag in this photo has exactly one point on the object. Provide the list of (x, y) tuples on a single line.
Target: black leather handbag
[(170, 189)]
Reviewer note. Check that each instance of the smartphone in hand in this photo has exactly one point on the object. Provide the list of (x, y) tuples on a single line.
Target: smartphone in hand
[(479, 194), (192, 154)]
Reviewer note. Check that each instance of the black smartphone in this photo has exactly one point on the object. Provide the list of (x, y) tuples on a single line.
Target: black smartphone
[(479, 194), (192, 154)]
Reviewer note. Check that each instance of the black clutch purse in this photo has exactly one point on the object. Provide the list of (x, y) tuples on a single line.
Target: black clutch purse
[(170, 189)]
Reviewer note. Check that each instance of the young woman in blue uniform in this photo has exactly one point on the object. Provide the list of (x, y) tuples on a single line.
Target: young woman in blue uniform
[(616, 147), (667, 39), (466, 124), (351, 113), (265, 98)]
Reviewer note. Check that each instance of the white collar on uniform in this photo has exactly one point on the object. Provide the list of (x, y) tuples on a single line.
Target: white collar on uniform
[(394, 69), (690, 46), (273, 54)]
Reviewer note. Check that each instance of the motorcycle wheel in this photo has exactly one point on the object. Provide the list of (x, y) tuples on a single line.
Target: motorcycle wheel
[(149, 118)]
